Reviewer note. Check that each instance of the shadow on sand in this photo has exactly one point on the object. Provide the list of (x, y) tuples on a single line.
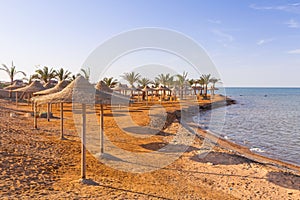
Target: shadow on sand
[(144, 130), (168, 148), (219, 158), (284, 179)]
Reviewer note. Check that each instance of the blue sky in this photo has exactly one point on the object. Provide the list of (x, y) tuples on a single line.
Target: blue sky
[(252, 43)]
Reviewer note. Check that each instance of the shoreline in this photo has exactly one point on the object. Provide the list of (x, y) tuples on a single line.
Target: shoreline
[(245, 152), (239, 148)]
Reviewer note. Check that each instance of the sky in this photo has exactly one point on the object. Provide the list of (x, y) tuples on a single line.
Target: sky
[(251, 43)]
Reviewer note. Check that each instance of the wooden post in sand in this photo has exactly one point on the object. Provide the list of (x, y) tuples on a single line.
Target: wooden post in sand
[(48, 112), (83, 141), (35, 115), (28, 98), (62, 120), (16, 99), (101, 130), (146, 97)]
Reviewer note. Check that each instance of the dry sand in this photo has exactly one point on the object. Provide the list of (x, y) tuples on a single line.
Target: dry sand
[(36, 164)]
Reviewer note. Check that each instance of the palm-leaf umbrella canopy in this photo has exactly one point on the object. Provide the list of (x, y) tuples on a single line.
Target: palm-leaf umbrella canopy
[(105, 95), (120, 87), (147, 89), (33, 87), (57, 88), (48, 85), (132, 88), (162, 88), (103, 87), (78, 91), (14, 86)]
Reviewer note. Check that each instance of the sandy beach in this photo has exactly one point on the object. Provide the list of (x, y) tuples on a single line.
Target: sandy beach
[(37, 164)]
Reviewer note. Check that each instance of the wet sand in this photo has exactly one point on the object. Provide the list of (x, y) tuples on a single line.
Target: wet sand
[(36, 164)]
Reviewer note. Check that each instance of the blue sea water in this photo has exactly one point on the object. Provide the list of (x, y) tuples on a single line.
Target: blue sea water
[(267, 120)]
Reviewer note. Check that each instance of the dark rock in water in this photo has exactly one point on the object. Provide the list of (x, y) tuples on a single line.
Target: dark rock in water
[(210, 106), (44, 115), (265, 95)]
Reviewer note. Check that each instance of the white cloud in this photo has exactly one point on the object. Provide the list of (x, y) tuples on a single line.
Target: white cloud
[(295, 51), (213, 21), (292, 23), (264, 41), (225, 36), (293, 7)]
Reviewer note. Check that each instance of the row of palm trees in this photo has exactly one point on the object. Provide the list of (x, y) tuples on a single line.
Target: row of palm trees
[(168, 80), (46, 74)]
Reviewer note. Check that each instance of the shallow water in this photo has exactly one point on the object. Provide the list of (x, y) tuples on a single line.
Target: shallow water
[(267, 120)]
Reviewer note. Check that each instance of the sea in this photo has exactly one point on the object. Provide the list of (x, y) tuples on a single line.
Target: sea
[(266, 120)]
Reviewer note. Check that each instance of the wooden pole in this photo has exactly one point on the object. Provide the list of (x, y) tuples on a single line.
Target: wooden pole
[(35, 115), (83, 141), (48, 112), (160, 97), (101, 130), (146, 97), (28, 98), (16, 99), (62, 120)]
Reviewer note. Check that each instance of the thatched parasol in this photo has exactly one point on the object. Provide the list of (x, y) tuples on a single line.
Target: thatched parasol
[(174, 92), (14, 86), (101, 86), (119, 87), (48, 85), (122, 88), (147, 89), (164, 89), (79, 91), (57, 88), (33, 87)]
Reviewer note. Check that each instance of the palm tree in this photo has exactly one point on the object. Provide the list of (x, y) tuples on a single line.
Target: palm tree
[(110, 82), (202, 83), (73, 77), (165, 80), (30, 79), (181, 79), (131, 77), (86, 73), (213, 81), (156, 83), (191, 81), (206, 80), (144, 82), (12, 72), (61, 74), (44, 74)]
